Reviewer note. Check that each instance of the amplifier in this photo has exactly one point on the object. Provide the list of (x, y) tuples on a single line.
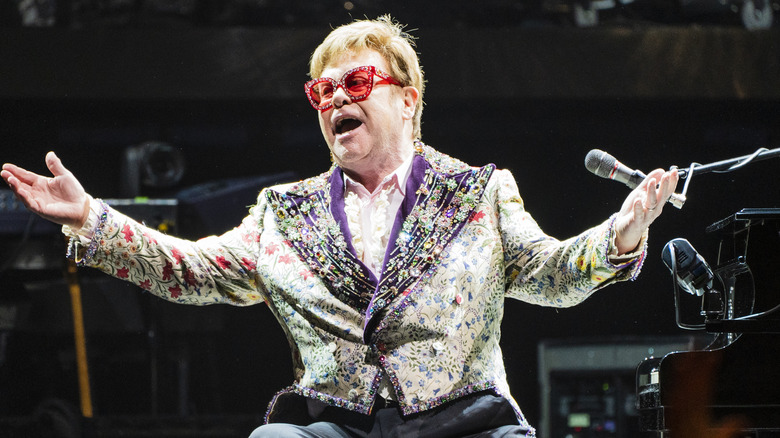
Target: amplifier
[(588, 385)]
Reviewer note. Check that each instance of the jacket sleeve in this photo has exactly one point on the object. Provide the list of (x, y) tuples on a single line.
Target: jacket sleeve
[(215, 269), (543, 270)]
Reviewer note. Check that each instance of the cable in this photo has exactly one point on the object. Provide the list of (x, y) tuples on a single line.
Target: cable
[(740, 164)]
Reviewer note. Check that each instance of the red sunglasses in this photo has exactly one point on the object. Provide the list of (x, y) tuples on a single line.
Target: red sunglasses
[(357, 83)]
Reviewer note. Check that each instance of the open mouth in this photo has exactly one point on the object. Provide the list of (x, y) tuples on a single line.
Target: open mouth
[(346, 125)]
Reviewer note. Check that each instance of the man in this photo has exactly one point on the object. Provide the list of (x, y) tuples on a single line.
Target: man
[(388, 272)]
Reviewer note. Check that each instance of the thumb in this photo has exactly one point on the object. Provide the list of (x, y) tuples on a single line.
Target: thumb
[(55, 165)]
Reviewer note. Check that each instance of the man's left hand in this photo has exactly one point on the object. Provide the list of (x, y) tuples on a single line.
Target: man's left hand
[(642, 207)]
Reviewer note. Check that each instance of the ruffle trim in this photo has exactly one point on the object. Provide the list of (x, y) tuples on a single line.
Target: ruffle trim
[(74, 242)]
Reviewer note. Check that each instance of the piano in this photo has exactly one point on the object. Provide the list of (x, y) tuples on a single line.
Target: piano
[(734, 383)]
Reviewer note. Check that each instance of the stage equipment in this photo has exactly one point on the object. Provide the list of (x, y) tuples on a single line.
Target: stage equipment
[(724, 166), (587, 385), (15, 219), (80, 339), (151, 164), (605, 165), (230, 197), (38, 13), (738, 370), (693, 275), (689, 267), (730, 164), (582, 13)]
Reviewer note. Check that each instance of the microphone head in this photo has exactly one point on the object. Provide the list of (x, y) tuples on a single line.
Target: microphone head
[(600, 163), (693, 273)]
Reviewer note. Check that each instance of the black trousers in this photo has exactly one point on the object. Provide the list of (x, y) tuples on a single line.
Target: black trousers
[(478, 415)]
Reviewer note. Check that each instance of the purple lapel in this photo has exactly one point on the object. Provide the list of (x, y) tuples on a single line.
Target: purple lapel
[(340, 215), (415, 180), (316, 230), (441, 195)]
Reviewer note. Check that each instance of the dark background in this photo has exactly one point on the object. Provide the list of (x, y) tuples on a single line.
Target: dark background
[(532, 95)]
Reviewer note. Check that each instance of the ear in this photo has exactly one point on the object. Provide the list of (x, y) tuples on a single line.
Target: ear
[(411, 95)]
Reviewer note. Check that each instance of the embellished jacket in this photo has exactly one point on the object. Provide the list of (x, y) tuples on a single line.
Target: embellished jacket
[(462, 242)]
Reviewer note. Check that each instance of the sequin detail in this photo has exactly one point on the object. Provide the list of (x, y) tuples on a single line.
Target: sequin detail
[(94, 243), (303, 216)]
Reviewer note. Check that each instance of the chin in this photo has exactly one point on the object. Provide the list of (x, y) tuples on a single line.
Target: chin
[(350, 150)]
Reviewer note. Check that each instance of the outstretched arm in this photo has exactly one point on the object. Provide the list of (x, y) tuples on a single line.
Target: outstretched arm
[(59, 198)]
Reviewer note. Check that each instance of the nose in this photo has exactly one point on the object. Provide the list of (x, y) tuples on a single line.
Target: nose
[(340, 97)]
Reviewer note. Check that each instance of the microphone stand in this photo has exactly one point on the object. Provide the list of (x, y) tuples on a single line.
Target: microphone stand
[(730, 164), (723, 166)]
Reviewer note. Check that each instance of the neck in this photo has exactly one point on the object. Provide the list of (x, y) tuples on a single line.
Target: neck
[(372, 175), (370, 179)]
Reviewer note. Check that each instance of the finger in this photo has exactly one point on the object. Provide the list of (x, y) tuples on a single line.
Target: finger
[(15, 171), (639, 210), (652, 180), (22, 194), (55, 165), (651, 194), (6, 174), (9, 167), (674, 178), (656, 174), (667, 186), (15, 177), (9, 178)]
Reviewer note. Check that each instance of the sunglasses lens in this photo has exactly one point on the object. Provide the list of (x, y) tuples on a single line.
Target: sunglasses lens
[(358, 83), (322, 91)]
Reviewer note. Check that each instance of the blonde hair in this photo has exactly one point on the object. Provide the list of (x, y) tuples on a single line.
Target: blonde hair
[(383, 35)]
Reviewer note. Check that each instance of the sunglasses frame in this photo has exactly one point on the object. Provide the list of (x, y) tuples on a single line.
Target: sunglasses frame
[(372, 71)]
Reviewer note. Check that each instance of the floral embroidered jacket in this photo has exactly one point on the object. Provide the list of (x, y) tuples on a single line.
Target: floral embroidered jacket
[(461, 243)]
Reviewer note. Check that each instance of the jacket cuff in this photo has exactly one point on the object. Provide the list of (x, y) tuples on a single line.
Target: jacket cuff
[(84, 241), (632, 261)]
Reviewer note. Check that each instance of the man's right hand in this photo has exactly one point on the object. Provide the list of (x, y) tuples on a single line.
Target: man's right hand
[(60, 198)]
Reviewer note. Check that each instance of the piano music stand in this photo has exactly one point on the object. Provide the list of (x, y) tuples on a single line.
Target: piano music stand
[(737, 228)]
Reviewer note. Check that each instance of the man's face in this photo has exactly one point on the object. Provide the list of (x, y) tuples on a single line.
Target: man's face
[(364, 135)]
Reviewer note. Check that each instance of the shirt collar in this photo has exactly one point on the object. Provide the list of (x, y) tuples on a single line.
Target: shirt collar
[(397, 178)]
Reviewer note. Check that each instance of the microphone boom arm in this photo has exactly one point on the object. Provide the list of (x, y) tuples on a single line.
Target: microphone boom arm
[(606, 166), (730, 164)]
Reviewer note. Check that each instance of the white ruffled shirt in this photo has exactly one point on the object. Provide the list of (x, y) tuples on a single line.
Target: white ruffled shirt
[(370, 216)]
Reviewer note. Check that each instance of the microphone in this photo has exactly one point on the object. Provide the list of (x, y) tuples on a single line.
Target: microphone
[(693, 273), (606, 166)]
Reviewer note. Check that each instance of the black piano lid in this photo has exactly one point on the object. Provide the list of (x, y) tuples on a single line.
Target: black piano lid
[(736, 222)]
